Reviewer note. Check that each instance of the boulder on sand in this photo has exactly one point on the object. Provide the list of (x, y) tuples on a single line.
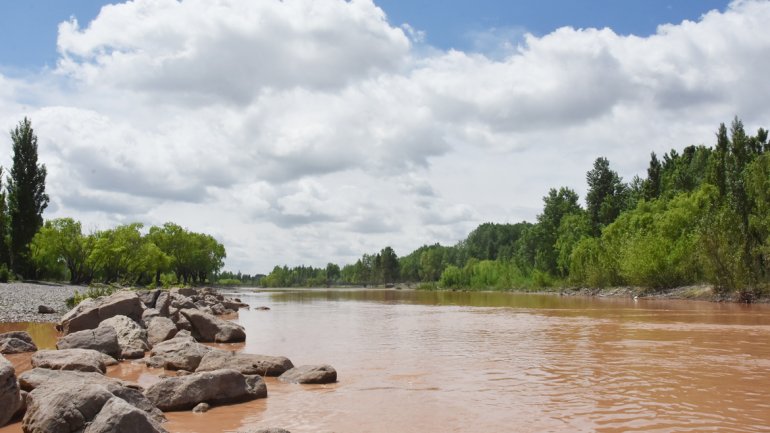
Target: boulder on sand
[(212, 387), (310, 374), (132, 338), (245, 363), (148, 297), (44, 309), (91, 312), (103, 339), (16, 342), (71, 359), (179, 353), (10, 398), (213, 329)]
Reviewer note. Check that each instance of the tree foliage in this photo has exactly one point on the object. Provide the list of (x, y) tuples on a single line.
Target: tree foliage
[(26, 197)]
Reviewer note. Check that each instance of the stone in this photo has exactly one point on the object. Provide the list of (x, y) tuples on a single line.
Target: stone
[(163, 303), (181, 322), (24, 395), (245, 363), (160, 329), (10, 397), (148, 297), (132, 338), (209, 328), (91, 312), (128, 391), (179, 353), (181, 302), (201, 408), (234, 305), (212, 387), (71, 406), (262, 308), (310, 374), (149, 314), (16, 342), (103, 339), (185, 291), (44, 309), (269, 430), (117, 415), (70, 359)]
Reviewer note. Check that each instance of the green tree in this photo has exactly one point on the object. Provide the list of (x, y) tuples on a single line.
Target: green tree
[(5, 255), (26, 196), (606, 195), (389, 265), (556, 205), (61, 242)]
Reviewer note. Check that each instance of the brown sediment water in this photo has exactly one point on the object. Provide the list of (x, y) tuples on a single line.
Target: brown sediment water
[(499, 362)]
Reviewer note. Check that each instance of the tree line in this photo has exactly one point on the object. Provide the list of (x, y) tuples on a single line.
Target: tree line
[(58, 249), (700, 215)]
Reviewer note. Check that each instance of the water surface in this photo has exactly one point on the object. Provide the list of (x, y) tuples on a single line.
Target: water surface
[(498, 362)]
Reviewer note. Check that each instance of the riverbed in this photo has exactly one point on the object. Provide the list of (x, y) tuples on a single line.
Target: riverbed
[(411, 361)]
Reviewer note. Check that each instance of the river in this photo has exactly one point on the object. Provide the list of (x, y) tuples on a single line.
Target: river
[(497, 362)]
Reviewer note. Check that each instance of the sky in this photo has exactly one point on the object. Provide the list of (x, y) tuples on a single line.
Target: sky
[(313, 131)]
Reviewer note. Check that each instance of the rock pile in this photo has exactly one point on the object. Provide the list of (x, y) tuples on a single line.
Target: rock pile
[(67, 391)]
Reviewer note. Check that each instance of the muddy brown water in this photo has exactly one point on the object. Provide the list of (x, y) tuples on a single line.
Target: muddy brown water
[(494, 362)]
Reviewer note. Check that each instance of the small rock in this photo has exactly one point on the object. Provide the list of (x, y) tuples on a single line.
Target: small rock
[(44, 309), (213, 329), (215, 387), (245, 363), (179, 353), (16, 342), (262, 308), (160, 329), (201, 408), (10, 398), (91, 312), (310, 374), (70, 359), (132, 338), (102, 339)]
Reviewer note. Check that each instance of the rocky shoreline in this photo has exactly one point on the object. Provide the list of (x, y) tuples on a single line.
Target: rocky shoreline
[(19, 302), (67, 390)]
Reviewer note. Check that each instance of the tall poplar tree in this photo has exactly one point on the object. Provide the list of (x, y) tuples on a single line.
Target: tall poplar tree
[(26, 197)]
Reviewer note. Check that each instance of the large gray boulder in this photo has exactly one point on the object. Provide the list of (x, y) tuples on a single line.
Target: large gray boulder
[(163, 303), (207, 327), (245, 363), (10, 398), (159, 329), (310, 374), (16, 342), (179, 353), (148, 297), (118, 416), (70, 406), (132, 338), (91, 312), (71, 359), (103, 339), (214, 387), (128, 391)]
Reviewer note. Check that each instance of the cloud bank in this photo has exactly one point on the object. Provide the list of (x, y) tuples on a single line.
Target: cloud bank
[(308, 131)]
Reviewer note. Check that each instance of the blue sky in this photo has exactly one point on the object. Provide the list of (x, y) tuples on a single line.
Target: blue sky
[(29, 27), (308, 131)]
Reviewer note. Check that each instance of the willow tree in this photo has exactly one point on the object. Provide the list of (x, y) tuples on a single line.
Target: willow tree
[(26, 197)]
